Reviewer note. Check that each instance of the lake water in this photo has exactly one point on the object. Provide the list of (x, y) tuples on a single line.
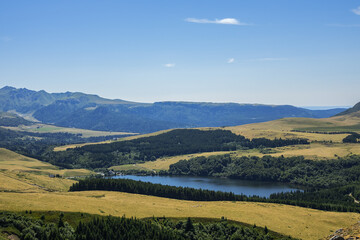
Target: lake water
[(263, 189)]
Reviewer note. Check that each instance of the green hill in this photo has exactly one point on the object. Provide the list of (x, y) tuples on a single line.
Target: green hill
[(354, 109), (12, 120)]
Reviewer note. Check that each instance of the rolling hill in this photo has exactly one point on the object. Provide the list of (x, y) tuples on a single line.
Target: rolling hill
[(354, 109), (92, 112), (25, 174)]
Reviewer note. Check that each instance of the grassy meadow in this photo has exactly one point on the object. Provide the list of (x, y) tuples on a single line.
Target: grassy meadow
[(290, 220), (284, 128), (24, 174)]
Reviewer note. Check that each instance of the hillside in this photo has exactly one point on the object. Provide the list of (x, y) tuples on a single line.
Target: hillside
[(92, 112), (298, 222), (12, 120), (324, 143), (354, 109), (25, 174), (313, 129)]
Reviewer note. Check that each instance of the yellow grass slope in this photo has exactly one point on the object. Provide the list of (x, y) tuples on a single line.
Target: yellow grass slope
[(12, 161), (25, 174), (284, 128), (14, 184), (295, 221)]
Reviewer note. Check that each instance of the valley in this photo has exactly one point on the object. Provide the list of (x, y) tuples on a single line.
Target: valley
[(180, 120), (39, 163)]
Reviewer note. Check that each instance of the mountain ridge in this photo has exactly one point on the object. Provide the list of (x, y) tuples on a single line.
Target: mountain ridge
[(90, 111)]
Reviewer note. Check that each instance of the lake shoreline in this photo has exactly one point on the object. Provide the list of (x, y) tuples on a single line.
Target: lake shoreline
[(236, 186)]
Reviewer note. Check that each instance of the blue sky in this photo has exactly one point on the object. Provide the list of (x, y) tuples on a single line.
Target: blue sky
[(299, 52)]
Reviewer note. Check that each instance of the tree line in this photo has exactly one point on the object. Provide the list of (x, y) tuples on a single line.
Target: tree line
[(106, 228), (333, 199), (294, 170), (352, 138), (35, 229)]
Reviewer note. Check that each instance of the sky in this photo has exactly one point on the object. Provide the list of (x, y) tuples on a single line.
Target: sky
[(298, 52)]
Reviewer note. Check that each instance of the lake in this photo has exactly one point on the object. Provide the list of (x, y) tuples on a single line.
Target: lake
[(263, 189)]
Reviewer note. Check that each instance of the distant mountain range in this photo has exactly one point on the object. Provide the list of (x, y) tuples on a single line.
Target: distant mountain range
[(88, 111)]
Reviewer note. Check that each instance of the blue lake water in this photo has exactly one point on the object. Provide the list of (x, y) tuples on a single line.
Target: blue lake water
[(263, 189)]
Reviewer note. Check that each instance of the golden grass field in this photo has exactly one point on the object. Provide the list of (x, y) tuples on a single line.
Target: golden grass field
[(290, 220), (283, 128), (45, 128), (24, 174)]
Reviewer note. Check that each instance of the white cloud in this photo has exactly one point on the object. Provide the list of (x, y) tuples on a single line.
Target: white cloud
[(231, 60), (169, 65), (356, 11), (229, 21)]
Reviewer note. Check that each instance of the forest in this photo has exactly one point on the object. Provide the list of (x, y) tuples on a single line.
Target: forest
[(352, 138), (295, 170), (175, 142), (37, 145), (172, 143), (27, 227), (333, 199)]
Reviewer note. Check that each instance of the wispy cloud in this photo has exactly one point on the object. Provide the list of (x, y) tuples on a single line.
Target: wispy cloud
[(229, 21), (231, 60), (5, 39), (169, 65), (356, 11)]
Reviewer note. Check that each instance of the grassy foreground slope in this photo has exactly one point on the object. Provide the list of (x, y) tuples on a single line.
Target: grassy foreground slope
[(295, 221), (24, 174)]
